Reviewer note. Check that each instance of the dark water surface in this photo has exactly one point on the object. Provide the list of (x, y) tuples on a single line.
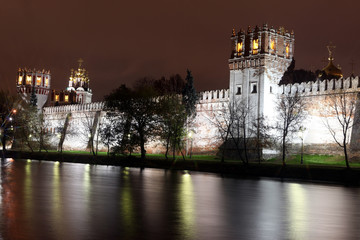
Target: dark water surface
[(47, 200)]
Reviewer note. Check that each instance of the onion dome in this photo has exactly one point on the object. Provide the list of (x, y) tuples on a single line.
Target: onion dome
[(332, 70)]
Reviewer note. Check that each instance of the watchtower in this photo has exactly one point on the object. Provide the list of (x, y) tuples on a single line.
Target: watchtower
[(258, 60), (30, 82)]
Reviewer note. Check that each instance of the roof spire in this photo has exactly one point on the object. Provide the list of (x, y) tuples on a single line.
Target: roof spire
[(330, 48), (80, 61)]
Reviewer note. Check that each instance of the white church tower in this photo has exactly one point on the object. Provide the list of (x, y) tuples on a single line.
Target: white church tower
[(259, 58), (80, 83)]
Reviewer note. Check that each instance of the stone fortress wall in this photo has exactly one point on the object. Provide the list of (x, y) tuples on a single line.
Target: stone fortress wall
[(205, 138), (259, 58)]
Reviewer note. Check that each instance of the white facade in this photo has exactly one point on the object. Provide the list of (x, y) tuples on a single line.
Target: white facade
[(258, 61)]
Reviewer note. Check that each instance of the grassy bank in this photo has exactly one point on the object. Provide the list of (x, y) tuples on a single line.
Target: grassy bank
[(315, 167)]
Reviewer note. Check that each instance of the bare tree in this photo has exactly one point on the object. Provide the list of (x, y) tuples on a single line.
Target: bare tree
[(108, 129), (261, 130), (90, 123), (291, 109), (339, 118), (233, 125), (62, 130)]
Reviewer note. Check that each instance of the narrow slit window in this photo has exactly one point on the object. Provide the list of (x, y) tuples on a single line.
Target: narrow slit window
[(253, 88), (238, 92)]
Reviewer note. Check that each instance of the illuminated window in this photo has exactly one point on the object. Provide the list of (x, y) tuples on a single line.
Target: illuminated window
[(255, 46), (38, 81), (272, 45), (66, 98), (56, 98), (46, 81), (20, 80), (28, 79), (239, 47), (287, 49)]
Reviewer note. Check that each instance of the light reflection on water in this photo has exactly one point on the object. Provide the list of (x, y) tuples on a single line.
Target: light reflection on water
[(47, 200)]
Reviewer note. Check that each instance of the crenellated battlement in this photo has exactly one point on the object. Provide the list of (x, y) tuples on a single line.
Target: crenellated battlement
[(319, 87), (89, 107), (213, 100), (213, 95)]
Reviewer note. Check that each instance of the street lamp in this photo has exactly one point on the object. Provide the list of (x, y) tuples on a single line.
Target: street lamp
[(301, 136)]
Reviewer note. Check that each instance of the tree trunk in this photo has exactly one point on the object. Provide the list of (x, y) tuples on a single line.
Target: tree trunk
[(245, 145), (167, 146), (142, 145), (345, 153), (283, 150)]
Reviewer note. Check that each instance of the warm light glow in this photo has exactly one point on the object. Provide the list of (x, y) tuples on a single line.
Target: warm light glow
[(287, 49), (46, 81), (56, 97), (272, 45), (14, 111), (255, 46), (66, 98), (28, 79), (38, 81), (20, 80), (239, 47)]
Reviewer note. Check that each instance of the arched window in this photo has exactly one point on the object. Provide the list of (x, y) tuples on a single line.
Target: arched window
[(255, 46), (253, 88)]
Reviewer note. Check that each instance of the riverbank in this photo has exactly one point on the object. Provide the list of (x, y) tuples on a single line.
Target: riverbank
[(335, 174)]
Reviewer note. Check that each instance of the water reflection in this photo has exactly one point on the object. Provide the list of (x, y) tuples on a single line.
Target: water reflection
[(47, 200), (186, 205), (126, 204), (297, 210)]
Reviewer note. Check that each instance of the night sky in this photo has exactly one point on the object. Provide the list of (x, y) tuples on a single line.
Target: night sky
[(121, 42)]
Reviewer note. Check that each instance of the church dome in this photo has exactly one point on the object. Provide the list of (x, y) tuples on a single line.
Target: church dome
[(332, 70), (80, 89)]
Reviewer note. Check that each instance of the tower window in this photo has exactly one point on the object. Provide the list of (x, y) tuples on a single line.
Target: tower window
[(46, 81), (20, 80), (239, 47), (272, 44), (239, 90), (271, 89), (28, 79), (56, 98), (253, 88), (38, 81), (287, 49), (66, 98), (255, 46)]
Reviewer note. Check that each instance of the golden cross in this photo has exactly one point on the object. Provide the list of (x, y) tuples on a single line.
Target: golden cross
[(330, 48)]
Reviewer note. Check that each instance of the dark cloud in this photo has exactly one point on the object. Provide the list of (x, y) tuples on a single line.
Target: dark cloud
[(121, 42)]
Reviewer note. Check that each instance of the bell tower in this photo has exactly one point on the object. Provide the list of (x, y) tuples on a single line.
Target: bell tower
[(258, 60), (80, 83)]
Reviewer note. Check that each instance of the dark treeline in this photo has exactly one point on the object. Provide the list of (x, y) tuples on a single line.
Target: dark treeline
[(152, 109)]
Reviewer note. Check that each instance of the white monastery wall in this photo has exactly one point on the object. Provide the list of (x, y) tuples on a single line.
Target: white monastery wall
[(82, 115), (206, 138)]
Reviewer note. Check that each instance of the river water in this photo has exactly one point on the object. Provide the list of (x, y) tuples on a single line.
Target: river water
[(51, 200)]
